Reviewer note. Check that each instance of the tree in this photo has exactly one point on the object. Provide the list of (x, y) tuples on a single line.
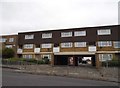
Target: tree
[(8, 53)]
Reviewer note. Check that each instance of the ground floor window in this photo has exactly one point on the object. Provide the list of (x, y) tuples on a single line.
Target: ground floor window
[(28, 56), (105, 57), (46, 56)]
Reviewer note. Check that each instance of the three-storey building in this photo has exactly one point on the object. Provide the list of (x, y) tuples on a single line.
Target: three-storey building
[(71, 46)]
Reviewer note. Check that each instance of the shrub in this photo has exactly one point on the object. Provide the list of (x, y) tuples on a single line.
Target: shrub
[(8, 53)]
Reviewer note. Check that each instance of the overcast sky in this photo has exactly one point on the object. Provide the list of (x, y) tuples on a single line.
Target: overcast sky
[(35, 15)]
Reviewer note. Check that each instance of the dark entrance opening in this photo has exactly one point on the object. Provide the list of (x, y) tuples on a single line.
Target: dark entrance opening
[(19, 55), (60, 60)]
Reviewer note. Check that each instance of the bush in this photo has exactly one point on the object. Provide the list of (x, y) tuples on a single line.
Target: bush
[(30, 60), (40, 62), (8, 53)]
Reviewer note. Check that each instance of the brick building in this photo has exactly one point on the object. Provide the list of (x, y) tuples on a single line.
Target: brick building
[(71, 46), (9, 41)]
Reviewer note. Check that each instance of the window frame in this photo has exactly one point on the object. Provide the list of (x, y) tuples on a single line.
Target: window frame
[(104, 32), (104, 43), (28, 46), (46, 45), (28, 55), (118, 44), (80, 33), (11, 39), (64, 46), (3, 39), (66, 34), (29, 36), (46, 35), (102, 57), (78, 44)]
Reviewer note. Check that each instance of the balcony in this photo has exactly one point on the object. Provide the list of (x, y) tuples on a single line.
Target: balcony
[(92, 49), (56, 49), (37, 50), (19, 51)]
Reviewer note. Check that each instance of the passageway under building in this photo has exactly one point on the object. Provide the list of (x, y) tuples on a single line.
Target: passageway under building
[(77, 60)]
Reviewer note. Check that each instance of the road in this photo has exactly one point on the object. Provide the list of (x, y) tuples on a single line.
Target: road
[(11, 78)]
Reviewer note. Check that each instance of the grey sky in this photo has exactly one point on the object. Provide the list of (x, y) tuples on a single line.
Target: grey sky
[(34, 15)]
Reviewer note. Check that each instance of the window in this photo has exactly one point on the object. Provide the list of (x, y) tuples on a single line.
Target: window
[(28, 46), (3, 39), (8, 46), (104, 43), (104, 32), (47, 56), (66, 45), (116, 44), (66, 34), (29, 36), (48, 45), (47, 35), (80, 44), (80, 33), (105, 57), (28, 56), (11, 39)]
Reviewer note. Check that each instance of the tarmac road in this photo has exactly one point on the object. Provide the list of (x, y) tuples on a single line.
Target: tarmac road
[(11, 78)]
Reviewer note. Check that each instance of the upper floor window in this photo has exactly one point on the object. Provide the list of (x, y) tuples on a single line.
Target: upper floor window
[(47, 35), (66, 34), (104, 43), (116, 44), (28, 46), (11, 39), (8, 46), (80, 33), (48, 45), (104, 32), (66, 45), (3, 39), (80, 44), (29, 36)]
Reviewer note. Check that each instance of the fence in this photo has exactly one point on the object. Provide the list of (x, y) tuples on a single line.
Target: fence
[(113, 63)]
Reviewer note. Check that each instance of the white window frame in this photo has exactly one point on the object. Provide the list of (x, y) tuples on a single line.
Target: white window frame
[(11, 39), (47, 55), (66, 34), (104, 31), (28, 46), (80, 33), (31, 36), (116, 44), (104, 43), (80, 44), (3, 39), (67, 45), (8, 46), (46, 35), (105, 57), (28, 56), (47, 45)]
